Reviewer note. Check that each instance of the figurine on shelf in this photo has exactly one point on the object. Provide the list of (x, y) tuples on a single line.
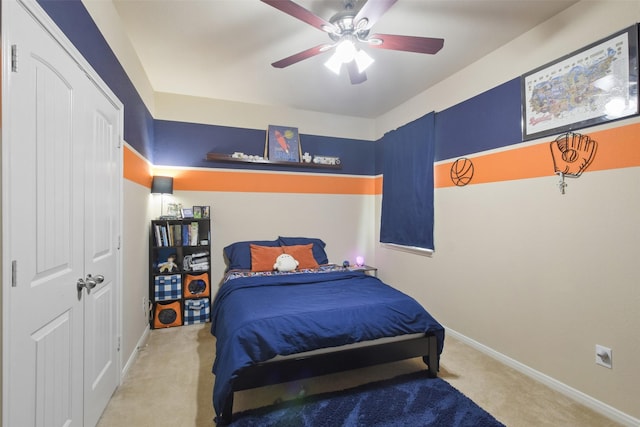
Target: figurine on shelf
[(238, 155), (326, 160), (169, 266)]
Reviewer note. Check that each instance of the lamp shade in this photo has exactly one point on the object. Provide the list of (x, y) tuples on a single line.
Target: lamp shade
[(162, 185)]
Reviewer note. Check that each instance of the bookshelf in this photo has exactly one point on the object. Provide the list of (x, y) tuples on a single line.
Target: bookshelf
[(179, 272)]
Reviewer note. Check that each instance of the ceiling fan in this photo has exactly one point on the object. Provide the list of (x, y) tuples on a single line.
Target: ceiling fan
[(347, 29)]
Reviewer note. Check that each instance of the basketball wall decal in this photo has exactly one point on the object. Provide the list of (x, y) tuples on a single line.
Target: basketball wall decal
[(461, 172)]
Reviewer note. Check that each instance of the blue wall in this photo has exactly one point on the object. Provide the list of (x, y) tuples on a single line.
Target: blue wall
[(187, 144), (486, 121)]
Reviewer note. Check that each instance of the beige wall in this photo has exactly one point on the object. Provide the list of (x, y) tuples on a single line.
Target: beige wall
[(138, 209), (538, 276), (237, 114), (344, 222)]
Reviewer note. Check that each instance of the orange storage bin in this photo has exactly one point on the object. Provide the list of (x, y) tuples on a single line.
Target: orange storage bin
[(167, 314), (196, 286)]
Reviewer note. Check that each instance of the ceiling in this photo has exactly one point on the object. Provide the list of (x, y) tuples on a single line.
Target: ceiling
[(223, 49)]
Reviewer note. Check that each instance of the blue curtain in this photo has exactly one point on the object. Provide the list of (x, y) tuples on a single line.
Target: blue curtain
[(407, 186)]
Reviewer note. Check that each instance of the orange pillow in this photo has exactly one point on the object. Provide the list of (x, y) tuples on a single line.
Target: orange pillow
[(303, 254), (263, 257)]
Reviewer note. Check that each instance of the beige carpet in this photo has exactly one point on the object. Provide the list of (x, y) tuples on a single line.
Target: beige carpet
[(170, 384)]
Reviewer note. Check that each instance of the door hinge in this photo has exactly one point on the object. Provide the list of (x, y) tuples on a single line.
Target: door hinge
[(118, 248), (14, 273), (118, 349), (14, 58)]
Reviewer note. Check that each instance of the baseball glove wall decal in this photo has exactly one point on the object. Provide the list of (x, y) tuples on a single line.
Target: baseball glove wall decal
[(572, 153)]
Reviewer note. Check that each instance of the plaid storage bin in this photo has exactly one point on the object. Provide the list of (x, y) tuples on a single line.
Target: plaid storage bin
[(196, 311), (168, 287)]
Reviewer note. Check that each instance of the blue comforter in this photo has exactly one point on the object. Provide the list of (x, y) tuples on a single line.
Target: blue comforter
[(256, 318)]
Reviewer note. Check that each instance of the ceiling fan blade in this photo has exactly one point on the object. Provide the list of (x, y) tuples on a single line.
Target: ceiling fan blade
[(406, 43), (372, 11), (355, 76), (299, 12), (305, 54)]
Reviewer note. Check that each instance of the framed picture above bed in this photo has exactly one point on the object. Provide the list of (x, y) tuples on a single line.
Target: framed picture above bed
[(283, 144), (596, 84)]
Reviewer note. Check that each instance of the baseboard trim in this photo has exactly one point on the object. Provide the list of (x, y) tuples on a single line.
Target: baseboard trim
[(588, 401), (134, 353)]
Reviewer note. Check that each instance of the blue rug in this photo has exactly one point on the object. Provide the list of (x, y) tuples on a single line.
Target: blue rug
[(409, 400)]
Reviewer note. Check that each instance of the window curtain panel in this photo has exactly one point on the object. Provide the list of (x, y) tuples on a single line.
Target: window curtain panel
[(407, 185)]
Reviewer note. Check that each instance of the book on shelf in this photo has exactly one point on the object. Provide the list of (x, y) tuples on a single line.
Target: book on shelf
[(170, 234), (158, 235), (165, 238), (193, 234), (176, 234), (185, 234)]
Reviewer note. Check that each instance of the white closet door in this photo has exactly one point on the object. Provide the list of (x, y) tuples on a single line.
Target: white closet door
[(61, 185), (101, 201)]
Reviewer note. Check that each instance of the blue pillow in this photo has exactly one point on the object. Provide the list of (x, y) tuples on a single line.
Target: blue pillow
[(318, 246), (239, 253)]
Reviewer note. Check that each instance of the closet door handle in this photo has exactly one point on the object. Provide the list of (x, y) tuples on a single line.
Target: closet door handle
[(90, 283), (95, 280), (80, 284)]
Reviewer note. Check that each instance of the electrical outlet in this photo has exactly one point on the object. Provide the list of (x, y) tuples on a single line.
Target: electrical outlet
[(603, 356)]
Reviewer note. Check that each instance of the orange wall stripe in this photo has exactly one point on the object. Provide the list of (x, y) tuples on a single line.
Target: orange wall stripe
[(378, 185), (238, 181), (135, 168), (617, 148)]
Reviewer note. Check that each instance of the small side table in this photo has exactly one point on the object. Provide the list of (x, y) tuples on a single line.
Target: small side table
[(367, 269)]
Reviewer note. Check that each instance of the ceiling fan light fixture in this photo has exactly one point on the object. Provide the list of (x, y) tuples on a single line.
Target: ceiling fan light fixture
[(346, 50), (363, 60), (334, 63), (348, 27)]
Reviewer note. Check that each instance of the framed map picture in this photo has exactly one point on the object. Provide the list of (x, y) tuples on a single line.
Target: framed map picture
[(283, 144), (596, 84)]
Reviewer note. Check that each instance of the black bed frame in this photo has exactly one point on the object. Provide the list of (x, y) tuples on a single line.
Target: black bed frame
[(291, 369)]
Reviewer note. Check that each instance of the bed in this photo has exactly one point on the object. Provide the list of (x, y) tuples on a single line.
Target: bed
[(274, 327)]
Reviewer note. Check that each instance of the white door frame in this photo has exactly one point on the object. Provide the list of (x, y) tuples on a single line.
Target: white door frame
[(5, 267)]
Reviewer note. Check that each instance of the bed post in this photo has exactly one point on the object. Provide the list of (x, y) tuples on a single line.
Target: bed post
[(433, 358), (227, 412)]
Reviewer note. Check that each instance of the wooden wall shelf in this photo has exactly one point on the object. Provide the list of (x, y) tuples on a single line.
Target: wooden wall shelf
[(217, 157)]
